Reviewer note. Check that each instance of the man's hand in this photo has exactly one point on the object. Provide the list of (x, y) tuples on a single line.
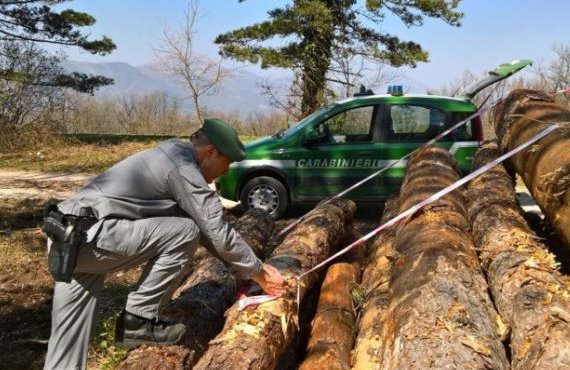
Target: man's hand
[(270, 280)]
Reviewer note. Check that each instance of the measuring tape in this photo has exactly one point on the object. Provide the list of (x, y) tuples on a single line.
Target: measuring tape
[(432, 141)]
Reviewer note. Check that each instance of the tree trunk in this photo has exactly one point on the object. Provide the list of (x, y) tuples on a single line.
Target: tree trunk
[(528, 290), (544, 166), (376, 289), (315, 59), (209, 291), (332, 335), (255, 338), (440, 315)]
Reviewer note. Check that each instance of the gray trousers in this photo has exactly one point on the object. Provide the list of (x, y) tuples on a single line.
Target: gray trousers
[(167, 243)]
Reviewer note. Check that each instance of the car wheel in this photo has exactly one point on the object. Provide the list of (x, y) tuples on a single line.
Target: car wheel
[(266, 193)]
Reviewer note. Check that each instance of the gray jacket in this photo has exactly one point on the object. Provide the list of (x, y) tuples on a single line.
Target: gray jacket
[(165, 181)]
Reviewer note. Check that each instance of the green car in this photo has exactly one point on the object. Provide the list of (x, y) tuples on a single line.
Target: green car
[(347, 141)]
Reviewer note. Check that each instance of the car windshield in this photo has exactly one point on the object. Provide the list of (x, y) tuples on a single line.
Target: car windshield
[(299, 125)]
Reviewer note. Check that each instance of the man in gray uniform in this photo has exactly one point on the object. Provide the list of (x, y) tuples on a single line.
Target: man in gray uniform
[(154, 206)]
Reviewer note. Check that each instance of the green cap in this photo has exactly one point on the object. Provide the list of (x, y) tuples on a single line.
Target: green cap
[(224, 138)]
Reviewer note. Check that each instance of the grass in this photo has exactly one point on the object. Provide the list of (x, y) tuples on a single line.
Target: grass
[(103, 353), (69, 155), (25, 303), (26, 288), (25, 299)]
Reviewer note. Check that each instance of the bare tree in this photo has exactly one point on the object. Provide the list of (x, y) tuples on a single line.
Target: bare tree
[(152, 114), (289, 102), (456, 86), (346, 74), (127, 114), (555, 76), (197, 73), (490, 94), (349, 71), (24, 104), (93, 115)]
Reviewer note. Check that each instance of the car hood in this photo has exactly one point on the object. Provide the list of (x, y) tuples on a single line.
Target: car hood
[(252, 145), (500, 73)]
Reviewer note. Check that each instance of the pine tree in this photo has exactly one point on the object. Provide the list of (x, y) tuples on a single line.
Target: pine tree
[(306, 34), (37, 22)]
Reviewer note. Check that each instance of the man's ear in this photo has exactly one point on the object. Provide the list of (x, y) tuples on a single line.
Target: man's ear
[(210, 149)]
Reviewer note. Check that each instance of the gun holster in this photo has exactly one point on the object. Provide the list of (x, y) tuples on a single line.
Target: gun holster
[(67, 233)]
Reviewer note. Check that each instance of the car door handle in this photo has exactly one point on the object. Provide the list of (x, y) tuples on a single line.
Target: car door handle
[(364, 154)]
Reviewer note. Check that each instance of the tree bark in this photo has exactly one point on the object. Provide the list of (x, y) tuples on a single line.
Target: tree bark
[(256, 337), (440, 315), (376, 289), (544, 166), (332, 335), (528, 290), (208, 292)]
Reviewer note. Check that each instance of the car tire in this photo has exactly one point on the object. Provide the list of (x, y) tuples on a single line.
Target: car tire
[(266, 193)]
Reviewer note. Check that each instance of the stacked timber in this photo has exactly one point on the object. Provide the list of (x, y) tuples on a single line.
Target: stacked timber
[(332, 334), (528, 291), (440, 315), (544, 166), (256, 337), (208, 292), (376, 294)]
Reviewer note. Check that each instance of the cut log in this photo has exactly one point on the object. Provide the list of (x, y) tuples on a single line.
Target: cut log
[(440, 315), (255, 338), (544, 166), (332, 334), (375, 288), (208, 292), (528, 290)]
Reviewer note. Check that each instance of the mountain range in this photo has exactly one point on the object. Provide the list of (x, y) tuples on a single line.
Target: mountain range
[(240, 93)]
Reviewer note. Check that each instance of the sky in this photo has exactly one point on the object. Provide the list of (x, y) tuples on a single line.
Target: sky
[(492, 32)]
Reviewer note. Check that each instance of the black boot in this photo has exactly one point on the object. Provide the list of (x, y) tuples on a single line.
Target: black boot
[(132, 331)]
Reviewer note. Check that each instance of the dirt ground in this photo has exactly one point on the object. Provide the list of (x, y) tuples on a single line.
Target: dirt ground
[(26, 286)]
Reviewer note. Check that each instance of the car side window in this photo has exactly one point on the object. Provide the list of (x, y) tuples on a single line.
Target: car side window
[(464, 132), (414, 122), (350, 126)]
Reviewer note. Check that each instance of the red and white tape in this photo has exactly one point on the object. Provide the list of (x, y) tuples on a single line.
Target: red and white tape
[(434, 197), (425, 202), (384, 169), (255, 300)]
